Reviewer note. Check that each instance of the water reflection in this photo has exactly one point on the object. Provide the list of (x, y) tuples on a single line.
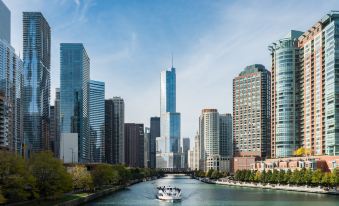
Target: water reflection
[(197, 193)]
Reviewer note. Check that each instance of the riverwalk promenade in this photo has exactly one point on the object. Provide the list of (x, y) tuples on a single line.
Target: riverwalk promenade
[(296, 188)]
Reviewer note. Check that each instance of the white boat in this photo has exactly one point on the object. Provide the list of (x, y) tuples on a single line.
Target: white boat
[(169, 193)]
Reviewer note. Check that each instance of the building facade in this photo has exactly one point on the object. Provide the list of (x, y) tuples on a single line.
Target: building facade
[(226, 137), (285, 93), (74, 80), (251, 112), (154, 133), (134, 144), (146, 148), (185, 147), (5, 22), (169, 154), (96, 107), (36, 88), (114, 130), (11, 76), (54, 142)]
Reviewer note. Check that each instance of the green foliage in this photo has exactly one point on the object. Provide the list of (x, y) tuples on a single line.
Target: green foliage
[(2, 198), (52, 179), (216, 174), (81, 178), (104, 174), (209, 173), (15, 180), (297, 177)]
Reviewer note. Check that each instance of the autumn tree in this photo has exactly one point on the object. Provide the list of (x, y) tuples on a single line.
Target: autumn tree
[(81, 178)]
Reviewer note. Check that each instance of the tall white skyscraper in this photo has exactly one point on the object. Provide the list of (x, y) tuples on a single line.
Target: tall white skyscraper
[(168, 148), (211, 138)]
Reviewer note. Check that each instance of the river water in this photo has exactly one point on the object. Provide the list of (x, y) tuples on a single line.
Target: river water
[(197, 193)]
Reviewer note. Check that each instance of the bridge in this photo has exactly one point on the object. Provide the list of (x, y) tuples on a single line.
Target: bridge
[(176, 171)]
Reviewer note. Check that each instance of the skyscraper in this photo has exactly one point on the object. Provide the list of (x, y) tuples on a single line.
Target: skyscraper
[(210, 141), (96, 109), (36, 89), (185, 148), (114, 130), (318, 82), (169, 155), (146, 148), (154, 133), (134, 144), (74, 80), (5, 22), (251, 112), (55, 125), (11, 75), (226, 137), (285, 95)]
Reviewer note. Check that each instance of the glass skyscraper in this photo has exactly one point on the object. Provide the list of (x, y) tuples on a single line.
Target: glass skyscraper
[(284, 111), (74, 80), (169, 154), (154, 133), (226, 137), (5, 22), (114, 130), (10, 92), (97, 120), (36, 88)]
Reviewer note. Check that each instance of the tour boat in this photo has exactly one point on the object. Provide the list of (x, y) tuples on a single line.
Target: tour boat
[(169, 193)]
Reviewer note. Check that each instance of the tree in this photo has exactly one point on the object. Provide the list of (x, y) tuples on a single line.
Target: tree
[(124, 174), (307, 178), (317, 177), (81, 178), (16, 182), (2, 198), (287, 176), (215, 174), (274, 177), (209, 173), (104, 174), (281, 177), (52, 179), (257, 176)]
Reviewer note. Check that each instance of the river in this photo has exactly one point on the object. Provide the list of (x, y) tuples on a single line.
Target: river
[(197, 193)]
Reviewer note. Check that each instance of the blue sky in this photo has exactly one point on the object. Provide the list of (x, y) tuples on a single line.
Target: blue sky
[(130, 41)]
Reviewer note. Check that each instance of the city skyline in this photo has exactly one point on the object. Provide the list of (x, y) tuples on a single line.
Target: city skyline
[(213, 35)]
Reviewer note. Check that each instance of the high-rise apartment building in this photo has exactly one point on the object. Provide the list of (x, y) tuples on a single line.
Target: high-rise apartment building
[(5, 22), (11, 74), (74, 80), (36, 88), (134, 144), (114, 130), (319, 86), (169, 154), (226, 137), (251, 112), (304, 103), (96, 108), (185, 148), (210, 141), (154, 133), (285, 90)]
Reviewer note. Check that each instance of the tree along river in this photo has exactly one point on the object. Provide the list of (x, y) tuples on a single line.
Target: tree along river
[(195, 192)]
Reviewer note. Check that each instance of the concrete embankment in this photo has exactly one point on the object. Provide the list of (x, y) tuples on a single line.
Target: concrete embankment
[(99, 194), (295, 188)]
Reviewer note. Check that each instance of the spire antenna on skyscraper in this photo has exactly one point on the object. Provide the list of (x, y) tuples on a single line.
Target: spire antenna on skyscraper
[(172, 59)]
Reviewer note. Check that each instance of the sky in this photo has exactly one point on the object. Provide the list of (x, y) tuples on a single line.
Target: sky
[(130, 42)]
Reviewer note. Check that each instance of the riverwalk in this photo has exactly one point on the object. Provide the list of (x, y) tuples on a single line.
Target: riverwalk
[(304, 188)]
